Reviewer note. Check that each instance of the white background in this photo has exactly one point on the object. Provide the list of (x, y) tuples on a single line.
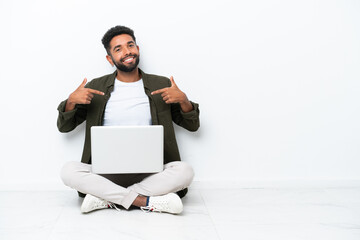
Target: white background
[(277, 83)]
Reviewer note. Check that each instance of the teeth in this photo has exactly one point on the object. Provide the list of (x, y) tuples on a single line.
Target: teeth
[(129, 60)]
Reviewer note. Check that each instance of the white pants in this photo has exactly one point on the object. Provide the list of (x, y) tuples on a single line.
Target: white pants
[(175, 177)]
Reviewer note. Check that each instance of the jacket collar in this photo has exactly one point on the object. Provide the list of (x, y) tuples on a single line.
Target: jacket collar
[(147, 83), (111, 80)]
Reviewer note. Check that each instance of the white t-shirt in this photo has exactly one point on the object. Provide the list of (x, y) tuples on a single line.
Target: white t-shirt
[(128, 105)]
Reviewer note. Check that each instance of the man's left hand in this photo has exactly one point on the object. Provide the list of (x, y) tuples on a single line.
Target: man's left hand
[(174, 95)]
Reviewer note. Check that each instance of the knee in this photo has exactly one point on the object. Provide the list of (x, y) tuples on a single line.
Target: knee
[(68, 171), (186, 174)]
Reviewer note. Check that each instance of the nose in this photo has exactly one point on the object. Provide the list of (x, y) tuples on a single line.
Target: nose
[(126, 51)]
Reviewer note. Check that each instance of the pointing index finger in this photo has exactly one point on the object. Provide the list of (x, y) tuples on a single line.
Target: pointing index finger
[(158, 91), (96, 91)]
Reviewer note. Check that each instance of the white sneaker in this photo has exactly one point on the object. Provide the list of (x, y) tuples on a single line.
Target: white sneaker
[(170, 203), (92, 203)]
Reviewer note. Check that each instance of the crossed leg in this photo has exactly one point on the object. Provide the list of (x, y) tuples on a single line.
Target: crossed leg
[(175, 177)]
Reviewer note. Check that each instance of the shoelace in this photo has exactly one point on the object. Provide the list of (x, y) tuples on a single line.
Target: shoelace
[(162, 205), (112, 205), (102, 203), (149, 209)]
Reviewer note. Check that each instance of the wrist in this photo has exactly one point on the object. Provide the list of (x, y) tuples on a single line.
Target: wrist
[(184, 100), (69, 105), (186, 106)]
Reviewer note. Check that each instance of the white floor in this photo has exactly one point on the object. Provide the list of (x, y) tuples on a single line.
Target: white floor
[(302, 213)]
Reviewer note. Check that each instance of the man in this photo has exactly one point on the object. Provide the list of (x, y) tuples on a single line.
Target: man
[(129, 97)]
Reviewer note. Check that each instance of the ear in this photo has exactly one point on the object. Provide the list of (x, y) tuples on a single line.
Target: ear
[(110, 60)]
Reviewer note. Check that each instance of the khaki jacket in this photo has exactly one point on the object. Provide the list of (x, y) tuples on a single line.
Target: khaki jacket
[(161, 113)]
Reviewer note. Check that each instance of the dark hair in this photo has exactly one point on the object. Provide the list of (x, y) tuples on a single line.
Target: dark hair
[(112, 32)]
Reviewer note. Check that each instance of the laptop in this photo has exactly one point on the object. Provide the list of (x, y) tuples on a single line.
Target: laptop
[(127, 149)]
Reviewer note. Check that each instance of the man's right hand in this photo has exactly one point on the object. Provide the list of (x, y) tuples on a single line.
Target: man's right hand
[(81, 95)]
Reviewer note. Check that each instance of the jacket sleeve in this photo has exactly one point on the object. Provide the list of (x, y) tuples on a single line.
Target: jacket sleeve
[(189, 120), (67, 121)]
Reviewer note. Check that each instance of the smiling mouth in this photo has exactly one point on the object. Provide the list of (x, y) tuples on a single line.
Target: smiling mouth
[(128, 59)]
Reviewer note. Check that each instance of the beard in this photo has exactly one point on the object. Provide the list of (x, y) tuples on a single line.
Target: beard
[(124, 68)]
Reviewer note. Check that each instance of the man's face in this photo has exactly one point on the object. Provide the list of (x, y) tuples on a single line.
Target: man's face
[(124, 53)]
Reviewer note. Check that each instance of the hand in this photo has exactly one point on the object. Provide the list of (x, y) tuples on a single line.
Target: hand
[(81, 95), (171, 94), (174, 95)]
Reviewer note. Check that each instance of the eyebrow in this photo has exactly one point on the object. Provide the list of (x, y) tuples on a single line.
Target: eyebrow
[(117, 46)]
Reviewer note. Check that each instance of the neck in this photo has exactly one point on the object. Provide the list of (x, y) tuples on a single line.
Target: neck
[(132, 76)]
